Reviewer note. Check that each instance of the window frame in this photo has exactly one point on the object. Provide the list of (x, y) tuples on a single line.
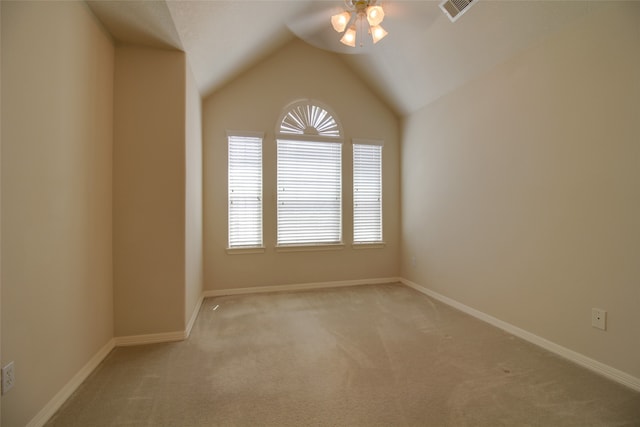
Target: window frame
[(306, 133), (258, 247), (369, 243)]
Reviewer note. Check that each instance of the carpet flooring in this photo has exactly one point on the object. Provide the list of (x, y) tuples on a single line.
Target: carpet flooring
[(379, 355)]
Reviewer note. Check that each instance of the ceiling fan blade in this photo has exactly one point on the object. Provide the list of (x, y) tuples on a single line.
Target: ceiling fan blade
[(316, 18)]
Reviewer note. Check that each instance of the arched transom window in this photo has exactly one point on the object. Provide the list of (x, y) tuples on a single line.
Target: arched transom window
[(308, 118)]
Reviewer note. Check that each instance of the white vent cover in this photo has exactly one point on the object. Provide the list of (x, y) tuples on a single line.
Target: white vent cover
[(454, 9)]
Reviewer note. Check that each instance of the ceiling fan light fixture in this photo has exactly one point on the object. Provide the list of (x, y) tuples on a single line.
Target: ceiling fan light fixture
[(365, 16), (375, 15), (378, 33), (340, 21), (349, 37)]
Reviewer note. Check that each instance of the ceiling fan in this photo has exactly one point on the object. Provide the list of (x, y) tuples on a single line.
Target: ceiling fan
[(348, 26), (355, 26)]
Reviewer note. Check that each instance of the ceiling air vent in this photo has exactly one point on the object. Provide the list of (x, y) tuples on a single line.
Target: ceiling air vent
[(454, 9)]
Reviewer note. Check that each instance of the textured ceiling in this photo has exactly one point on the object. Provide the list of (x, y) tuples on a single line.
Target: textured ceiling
[(423, 57)]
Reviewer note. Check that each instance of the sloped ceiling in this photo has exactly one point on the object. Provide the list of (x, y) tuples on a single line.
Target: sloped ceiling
[(423, 57)]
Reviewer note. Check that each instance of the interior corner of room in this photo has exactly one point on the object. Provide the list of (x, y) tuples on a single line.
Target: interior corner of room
[(510, 189)]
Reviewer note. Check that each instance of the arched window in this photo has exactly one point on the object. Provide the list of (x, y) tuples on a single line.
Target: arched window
[(307, 118), (309, 169)]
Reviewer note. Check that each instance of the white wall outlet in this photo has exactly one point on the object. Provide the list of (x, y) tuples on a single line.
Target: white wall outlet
[(8, 377), (599, 318)]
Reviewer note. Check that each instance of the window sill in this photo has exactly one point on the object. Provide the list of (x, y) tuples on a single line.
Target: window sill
[(310, 248), (246, 250), (372, 245)]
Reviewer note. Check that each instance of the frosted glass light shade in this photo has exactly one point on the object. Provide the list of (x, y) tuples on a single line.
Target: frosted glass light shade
[(378, 33), (340, 21), (349, 37), (375, 15)]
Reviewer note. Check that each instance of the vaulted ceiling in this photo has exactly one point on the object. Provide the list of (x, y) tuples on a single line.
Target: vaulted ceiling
[(423, 57)]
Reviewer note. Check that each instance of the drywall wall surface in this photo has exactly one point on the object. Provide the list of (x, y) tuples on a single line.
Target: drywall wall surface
[(193, 197), (254, 102), (520, 189), (57, 120), (0, 205), (149, 191)]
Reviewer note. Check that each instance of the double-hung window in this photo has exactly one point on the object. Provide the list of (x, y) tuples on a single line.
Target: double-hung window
[(245, 189), (309, 177), (367, 191)]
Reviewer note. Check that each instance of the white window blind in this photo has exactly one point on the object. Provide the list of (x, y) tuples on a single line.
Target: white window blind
[(245, 191), (367, 193), (309, 192)]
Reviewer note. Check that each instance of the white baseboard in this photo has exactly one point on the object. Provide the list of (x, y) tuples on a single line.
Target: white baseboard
[(299, 287), (582, 360), (164, 336), (150, 338), (194, 316), (56, 402)]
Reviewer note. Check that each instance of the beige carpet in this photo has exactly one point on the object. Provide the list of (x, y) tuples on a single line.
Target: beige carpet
[(381, 355)]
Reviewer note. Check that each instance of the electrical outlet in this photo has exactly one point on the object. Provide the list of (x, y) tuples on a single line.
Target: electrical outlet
[(599, 318), (8, 377)]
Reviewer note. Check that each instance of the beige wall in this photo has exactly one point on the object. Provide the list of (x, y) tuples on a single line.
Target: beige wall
[(1, 359), (149, 191), (57, 312), (193, 197), (521, 195), (253, 102)]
